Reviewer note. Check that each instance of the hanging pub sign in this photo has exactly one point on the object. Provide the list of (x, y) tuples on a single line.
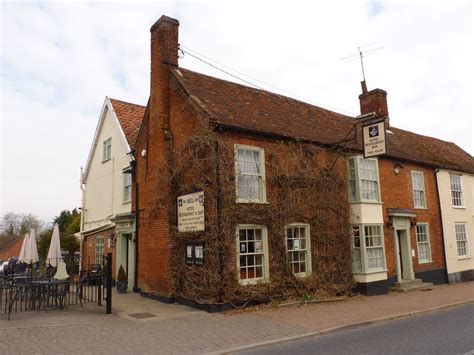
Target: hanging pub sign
[(195, 253), (374, 139), (191, 212)]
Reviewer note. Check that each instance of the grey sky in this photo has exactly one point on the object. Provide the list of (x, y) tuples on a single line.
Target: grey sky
[(59, 61)]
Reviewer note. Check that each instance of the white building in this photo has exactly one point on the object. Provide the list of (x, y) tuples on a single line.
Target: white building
[(456, 194), (107, 223)]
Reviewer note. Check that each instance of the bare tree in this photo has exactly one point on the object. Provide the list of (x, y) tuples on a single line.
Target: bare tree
[(13, 223)]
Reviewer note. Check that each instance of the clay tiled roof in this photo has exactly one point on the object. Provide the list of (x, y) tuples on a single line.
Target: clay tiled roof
[(130, 117), (234, 105), (10, 245)]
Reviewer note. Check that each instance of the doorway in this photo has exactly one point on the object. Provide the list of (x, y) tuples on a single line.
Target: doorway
[(404, 258)]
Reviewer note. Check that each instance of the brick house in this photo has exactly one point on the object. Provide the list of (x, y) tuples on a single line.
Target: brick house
[(107, 224), (275, 175)]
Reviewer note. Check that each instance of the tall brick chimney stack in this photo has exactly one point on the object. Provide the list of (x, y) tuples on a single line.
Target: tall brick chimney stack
[(374, 101), (164, 55)]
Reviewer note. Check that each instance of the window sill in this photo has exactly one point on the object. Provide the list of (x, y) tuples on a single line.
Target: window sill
[(425, 262), (420, 208), (370, 272), (367, 202), (125, 202), (253, 282), (302, 275), (460, 207), (464, 257), (106, 160), (252, 201)]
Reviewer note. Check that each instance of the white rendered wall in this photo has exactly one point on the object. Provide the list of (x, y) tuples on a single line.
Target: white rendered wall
[(452, 215), (104, 183)]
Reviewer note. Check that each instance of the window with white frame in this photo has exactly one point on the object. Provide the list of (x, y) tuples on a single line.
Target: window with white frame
[(418, 184), (107, 151), (356, 251), (250, 174), (423, 241), (363, 180), (298, 247), (368, 252), (252, 253), (99, 250), (461, 239), (456, 190), (374, 247), (127, 187)]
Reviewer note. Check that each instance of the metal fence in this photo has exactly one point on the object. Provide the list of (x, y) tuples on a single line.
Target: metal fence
[(35, 286)]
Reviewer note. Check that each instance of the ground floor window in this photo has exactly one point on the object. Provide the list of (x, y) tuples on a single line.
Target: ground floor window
[(368, 252), (252, 253), (461, 239), (423, 241), (299, 248), (99, 250)]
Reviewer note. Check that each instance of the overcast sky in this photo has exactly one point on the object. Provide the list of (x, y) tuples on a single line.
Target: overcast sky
[(59, 61)]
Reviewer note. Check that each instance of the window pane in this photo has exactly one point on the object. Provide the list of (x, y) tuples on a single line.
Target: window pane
[(251, 253), (297, 241)]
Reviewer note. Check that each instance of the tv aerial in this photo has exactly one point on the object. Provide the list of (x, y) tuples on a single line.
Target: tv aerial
[(370, 49)]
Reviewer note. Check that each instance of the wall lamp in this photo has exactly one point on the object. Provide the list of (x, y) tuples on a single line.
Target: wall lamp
[(397, 167)]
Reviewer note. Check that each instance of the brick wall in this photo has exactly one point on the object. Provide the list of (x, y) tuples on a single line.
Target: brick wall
[(396, 192), (88, 249)]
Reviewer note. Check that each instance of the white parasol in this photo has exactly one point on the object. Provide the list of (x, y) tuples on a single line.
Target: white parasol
[(54, 253), (24, 246), (31, 253)]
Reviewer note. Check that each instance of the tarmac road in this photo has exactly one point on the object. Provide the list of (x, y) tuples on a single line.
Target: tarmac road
[(449, 331)]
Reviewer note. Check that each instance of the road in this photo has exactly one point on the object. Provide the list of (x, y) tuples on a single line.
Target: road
[(450, 331)]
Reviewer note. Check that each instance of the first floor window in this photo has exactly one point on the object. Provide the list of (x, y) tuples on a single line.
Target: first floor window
[(461, 239), (252, 253), (99, 250), (423, 241), (368, 252), (127, 187), (250, 174), (299, 249), (418, 185), (456, 190), (363, 179)]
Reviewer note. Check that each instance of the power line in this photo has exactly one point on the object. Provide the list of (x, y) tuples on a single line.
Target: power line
[(198, 56)]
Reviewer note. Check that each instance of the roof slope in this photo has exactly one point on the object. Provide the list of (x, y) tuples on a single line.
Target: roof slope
[(10, 245), (240, 106), (130, 117)]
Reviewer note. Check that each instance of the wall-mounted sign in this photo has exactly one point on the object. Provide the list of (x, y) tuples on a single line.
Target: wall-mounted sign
[(195, 253), (373, 137), (191, 212)]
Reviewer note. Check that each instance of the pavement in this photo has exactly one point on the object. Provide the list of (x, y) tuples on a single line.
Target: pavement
[(141, 325)]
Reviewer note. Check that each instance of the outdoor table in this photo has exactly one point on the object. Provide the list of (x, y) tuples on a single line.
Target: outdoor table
[(57, 289)]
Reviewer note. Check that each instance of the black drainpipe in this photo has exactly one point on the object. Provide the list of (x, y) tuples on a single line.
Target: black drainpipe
[(218, 220), (137, 218), (442, 226)]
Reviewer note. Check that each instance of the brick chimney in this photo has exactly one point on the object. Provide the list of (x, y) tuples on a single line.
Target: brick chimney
[(374, 101), (164, 55)]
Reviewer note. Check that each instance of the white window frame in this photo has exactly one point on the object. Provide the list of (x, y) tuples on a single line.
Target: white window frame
[(460, 191), (263, 193), (307, 250), (464, 240), (423, 192), (427, 242), (356, 196), (127, 187), (357, 250), (99, 255), (107, 149), (265, 264), (364, 267)]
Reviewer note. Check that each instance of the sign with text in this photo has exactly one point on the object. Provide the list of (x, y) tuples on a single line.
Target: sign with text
[(191, 212), (373, 137)]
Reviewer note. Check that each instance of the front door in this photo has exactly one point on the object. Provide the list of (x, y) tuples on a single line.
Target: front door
[(404, 264)]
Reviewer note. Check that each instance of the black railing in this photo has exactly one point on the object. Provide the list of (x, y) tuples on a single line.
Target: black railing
[(34, 286)]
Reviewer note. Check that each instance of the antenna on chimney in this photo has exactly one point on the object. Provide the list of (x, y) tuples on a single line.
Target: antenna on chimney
[(361, 55)]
